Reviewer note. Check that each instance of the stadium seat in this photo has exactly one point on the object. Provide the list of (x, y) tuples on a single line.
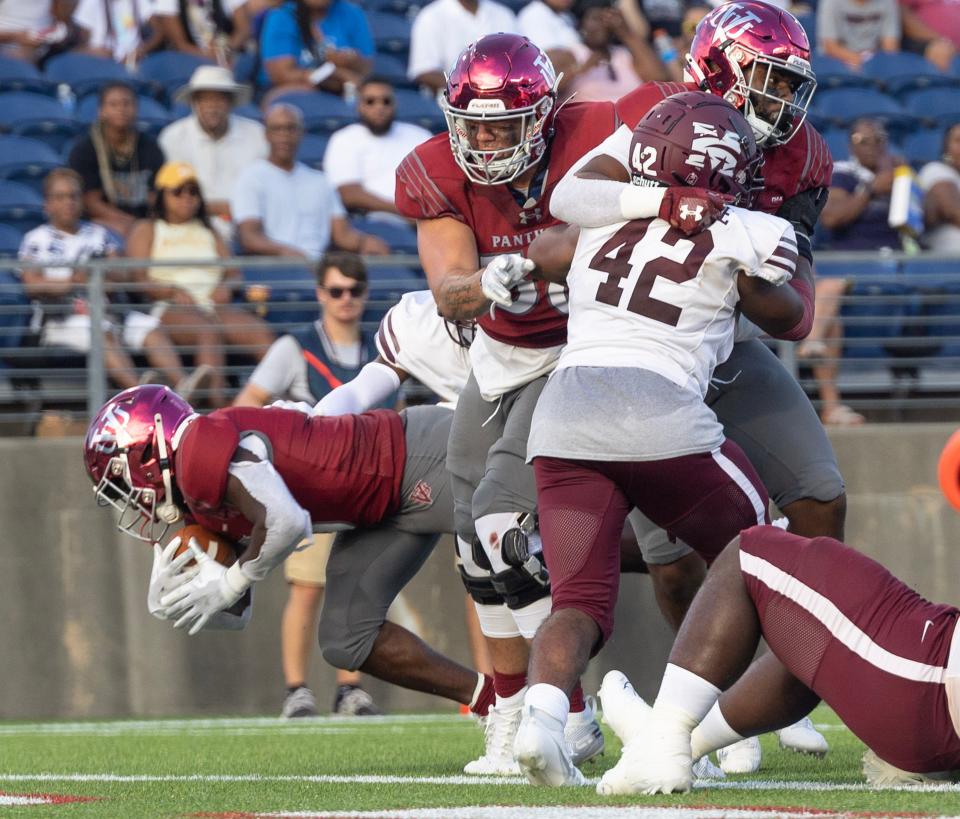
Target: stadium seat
[(923, 146), (35, 115), (900, 71), (832, 73), (841, 106), (838, 140), (169, 69), (398, 7), (290, 294), (245, 68), (152, 117), (21, 206), (312, 150), (17, 75), (387, 285), (935, 106), (391, 68), (26, 160), (14, 312), (10, 239), (250, 111), (391, 34), (85, 73), (412, 106), (322, 113), (937, 282), (401, 237)]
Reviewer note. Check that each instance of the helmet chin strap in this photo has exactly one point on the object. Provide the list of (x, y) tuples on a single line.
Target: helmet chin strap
[(168, 511)]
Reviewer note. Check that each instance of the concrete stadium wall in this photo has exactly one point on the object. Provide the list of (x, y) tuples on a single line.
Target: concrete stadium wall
[(77, 641)]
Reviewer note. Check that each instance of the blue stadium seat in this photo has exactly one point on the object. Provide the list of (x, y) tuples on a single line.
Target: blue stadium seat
[(402, 8), (838, 140), (935, 106), (152, 117), (17, 75), (26, 160), (387, 285), (832, 73), (292, 293), (923, 146), (250, 110), (21, 206), (169, 69), (391, 68), (809, 23), (10, 239), (401, 237), (322, 113), (391, 34), (842, 106), (312, 150), (85, 73), (900, 71), (412, 106), (13, 322), (35, 115), (937, 281), (245, 68)]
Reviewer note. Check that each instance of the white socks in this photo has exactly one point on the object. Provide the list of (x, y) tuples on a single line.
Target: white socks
[(712, 733), (549, 699), (685, 695)]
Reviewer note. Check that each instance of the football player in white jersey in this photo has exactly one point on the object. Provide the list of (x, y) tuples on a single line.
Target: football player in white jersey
[(622, 422)]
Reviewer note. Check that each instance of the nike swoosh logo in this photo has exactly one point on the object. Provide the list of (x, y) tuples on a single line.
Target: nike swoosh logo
[(925, 627)]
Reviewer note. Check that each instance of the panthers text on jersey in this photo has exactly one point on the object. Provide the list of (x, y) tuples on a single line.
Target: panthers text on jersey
[(415, 338), (345, 468), (801, 164), (431, 185), (644, 295)]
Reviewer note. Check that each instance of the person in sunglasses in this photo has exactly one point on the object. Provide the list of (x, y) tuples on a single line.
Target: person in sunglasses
[(194, 303), (306, 365), (361, 159)]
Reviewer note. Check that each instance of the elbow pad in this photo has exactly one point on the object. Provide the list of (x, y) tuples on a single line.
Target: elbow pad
[(287, 522), (802, 328)]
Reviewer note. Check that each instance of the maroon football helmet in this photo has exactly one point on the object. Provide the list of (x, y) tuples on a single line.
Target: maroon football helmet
[(742, 51), (696, 139), (128, 453), (501, 78)]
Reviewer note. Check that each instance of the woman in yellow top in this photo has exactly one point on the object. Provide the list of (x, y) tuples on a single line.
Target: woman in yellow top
[(194, 302)]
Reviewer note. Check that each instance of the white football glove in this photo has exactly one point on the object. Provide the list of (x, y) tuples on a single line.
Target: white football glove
[(502, 275), (167, 574), (297, 406), (212, 589)]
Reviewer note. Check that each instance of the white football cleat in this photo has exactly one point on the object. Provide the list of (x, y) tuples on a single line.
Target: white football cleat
[(541, 750), (582, 732), (657, 761), (803, 738), (703, 768), (623, 708), (498, 732), (742, 757)]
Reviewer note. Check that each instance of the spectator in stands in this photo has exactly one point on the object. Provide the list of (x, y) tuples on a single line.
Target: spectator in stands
[(310, 44), (550, 25), (194, 302), (215, 29), (304, 366), (940, 182), (32, 30), (216, 143), (281, 207), (61, 295), (853, 30), (606, 70), (361, 159), (123, 30), (116, 162), (932, 28), (442, 29)]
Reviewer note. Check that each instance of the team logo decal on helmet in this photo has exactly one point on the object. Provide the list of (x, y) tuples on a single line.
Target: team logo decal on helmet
[(757, 57), (500, 80)]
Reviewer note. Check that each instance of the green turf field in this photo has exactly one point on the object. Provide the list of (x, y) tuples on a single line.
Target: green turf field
[(322, 767)]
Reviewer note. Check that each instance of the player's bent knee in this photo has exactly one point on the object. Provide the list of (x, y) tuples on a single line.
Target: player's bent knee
[(518, 589), (818, 518), (345, 647), (528, 618), (480, 589), (497, 622)]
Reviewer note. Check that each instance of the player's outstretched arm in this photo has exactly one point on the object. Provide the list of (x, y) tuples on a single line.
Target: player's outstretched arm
[(448, 253), (372, 385), (552, 252), (775, 309)]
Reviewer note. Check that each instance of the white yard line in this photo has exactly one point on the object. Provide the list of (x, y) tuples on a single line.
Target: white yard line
[(371, 779)]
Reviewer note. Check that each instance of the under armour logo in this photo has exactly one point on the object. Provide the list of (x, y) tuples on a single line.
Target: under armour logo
[(527, 217), (422, 494), (687, 212)]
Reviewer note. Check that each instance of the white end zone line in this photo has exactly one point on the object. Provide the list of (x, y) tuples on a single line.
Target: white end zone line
[(364, 779)]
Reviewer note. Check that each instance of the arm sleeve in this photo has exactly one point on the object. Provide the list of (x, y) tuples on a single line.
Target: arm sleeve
[(245, 202), (826, 22), (417, 196), (891, 21), (373, 384), (334, 202), (277, 370)]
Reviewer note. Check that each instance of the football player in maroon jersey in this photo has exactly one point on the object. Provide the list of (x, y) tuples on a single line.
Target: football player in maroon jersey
[(265, 478), (886, 660)]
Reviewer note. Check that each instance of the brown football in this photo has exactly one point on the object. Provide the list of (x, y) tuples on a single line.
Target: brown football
[(219, 547)]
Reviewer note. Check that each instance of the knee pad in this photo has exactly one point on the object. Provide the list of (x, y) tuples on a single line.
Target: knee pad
[(475, 573), (497, 621), (518, 589)]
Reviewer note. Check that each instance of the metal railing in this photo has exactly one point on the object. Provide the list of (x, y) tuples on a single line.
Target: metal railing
[(900, 319)]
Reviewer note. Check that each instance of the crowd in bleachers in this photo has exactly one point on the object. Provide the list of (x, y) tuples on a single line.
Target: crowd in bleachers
[(118, 89)]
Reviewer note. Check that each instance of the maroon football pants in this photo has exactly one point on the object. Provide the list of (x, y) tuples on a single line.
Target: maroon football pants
[(704, 499)]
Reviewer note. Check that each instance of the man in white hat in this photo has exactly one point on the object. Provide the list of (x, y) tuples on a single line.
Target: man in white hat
[(218, 144)]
